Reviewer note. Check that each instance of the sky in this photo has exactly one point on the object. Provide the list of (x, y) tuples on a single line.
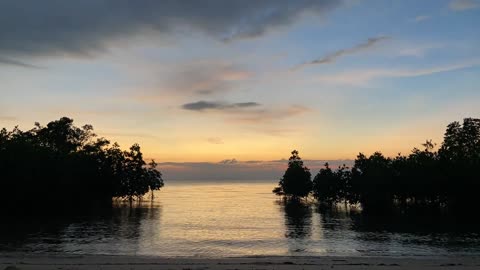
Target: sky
[(227, 89)]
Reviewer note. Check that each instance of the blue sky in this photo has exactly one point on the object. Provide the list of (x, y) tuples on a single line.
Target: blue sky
[(211, 80)]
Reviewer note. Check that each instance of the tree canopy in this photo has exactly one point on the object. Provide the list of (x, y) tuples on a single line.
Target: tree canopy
[(69, 166), (448, 178), (330, 186), (296, 182)]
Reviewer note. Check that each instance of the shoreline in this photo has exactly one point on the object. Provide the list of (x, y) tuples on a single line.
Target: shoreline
[(124, 262)]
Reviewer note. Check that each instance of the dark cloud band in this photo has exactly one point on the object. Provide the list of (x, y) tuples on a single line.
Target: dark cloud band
[(209, 105), (51, 27), (6, 61), (332, 57)]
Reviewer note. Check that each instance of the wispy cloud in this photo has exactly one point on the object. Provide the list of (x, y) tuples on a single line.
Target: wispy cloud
[(421, 18), (418, 49), (7, 61), (7, 118), (229, 161), (217, 105), (362, 77), (126, 134), (251, 115), (461, 5), (215, 140), (204, 78), (332, 57), (265, 116)]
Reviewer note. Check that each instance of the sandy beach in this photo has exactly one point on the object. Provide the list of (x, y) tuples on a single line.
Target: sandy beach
[(26, 261)]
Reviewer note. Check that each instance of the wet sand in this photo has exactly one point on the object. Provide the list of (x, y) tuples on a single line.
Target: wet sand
[(50, 262)]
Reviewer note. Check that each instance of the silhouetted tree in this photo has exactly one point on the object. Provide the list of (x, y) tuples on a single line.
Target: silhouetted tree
[(296, 182), (424, 179), (278, 191), (344, 176), (332, 187), (326, 186), (154, 176), (66, 166), (372, 180), (460, 159), (423, 176), (62, 136)]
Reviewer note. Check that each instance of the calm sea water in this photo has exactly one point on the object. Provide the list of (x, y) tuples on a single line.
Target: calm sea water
[(235, 219)]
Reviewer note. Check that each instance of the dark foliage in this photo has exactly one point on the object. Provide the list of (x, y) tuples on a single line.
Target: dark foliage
[(372, 181), (459, 158), (296, 182), (331, 186), (64, 166), (425, 179)]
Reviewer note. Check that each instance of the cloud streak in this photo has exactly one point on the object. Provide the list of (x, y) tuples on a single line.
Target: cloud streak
[(249, 114), (461, 5), (421, 18), (50, 27), (362, 77), (7, 118), (332, 57), (204, 78), (217, 105), (215, 140), (7, 61), (229, 161), (265, 116)]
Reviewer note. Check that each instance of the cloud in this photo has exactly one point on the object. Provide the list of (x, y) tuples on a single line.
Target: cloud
[(129, 135), (332, 57), (461, 5), (8, 118), (204, 78), (419, 50), (251, 115), (421, 18), (7, 61), (362, 77), (51, 27), (215, 140), (197, 79), (216, 105), (228, 161), (264, 116)]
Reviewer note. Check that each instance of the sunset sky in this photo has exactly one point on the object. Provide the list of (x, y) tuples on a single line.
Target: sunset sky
[(207, 84)]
